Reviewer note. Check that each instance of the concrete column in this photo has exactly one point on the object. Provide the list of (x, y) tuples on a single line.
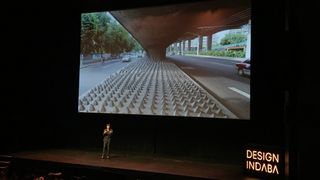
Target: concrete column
[(200, 39), (189, 45), (183, 46), (169, 49), (209, 42), (175, 48), (248, 46), (180, 48), (157, 53)]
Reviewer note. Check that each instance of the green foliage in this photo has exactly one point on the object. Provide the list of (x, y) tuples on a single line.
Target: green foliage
[(101, 34), (190, 52), (136, 46), (233, 38), (87, 33), (223, 53)]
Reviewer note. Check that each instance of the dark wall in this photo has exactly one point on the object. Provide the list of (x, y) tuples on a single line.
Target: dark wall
[(41, 88), (304, 85)]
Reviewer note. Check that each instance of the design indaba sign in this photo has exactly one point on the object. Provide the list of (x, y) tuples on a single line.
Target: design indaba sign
[(260, 161), (264, 161)]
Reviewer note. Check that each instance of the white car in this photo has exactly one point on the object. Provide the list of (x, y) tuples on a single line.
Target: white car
[(126, 59)]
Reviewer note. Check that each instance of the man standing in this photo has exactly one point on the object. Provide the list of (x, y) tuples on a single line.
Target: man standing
[(107, 132)]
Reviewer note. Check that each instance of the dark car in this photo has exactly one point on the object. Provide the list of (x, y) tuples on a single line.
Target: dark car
[(243, 68)]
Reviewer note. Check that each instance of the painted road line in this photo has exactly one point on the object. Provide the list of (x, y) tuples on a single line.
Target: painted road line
[(240, 92)]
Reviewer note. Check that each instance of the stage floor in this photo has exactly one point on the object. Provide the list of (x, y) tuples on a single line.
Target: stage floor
[(136, 163)]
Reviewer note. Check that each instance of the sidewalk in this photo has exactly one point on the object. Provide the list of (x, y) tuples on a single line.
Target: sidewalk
[(96, 62)]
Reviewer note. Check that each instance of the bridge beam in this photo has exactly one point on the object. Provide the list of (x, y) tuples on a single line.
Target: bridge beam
[(158, 27)]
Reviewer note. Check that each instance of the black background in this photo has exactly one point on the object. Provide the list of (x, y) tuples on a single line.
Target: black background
[(40, 66)]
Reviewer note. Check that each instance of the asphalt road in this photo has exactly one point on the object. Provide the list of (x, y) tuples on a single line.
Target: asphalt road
[(220, 78), (94, 74)]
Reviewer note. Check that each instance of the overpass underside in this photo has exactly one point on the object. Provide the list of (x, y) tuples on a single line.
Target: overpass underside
[(158, 27)]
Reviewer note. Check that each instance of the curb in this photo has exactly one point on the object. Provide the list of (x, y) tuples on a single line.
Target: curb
[(217, 57)]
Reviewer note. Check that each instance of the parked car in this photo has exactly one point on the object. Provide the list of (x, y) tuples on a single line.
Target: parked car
[(243, 68), (126, 59)]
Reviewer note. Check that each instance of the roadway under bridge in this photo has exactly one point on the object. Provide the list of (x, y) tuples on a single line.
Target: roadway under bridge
[(175, 86), (158, 27)]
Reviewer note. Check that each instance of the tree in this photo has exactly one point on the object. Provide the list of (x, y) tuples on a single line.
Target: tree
[(94, 27), (232, 38), (137, 46), (101, 38), (87, 33), (100, 34)]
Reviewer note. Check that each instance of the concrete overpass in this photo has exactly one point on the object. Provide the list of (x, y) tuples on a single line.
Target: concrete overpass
[(158, 27)]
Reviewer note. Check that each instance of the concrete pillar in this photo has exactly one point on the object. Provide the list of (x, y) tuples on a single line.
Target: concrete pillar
[(180, 48), (189, 45), (183, 46), (175, 48), (168, 50), (248, 46), (200, 40), (209, 42), (156, 53)]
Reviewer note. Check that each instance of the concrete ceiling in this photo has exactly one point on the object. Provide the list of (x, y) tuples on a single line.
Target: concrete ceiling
[(157, 27)]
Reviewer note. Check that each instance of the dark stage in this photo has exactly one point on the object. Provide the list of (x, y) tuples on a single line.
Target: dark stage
[(122, 166)]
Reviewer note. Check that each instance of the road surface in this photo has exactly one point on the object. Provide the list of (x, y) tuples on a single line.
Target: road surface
[(220, 78), (93, 74)]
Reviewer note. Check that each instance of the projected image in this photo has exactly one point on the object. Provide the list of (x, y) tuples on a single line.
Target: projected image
[(188, 60)]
